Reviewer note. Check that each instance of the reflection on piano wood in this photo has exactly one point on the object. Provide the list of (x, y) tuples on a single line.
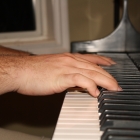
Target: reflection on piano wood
[(114, 115), (124, 39)]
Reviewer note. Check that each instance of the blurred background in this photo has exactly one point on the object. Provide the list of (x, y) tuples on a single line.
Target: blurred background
[(94, 19)]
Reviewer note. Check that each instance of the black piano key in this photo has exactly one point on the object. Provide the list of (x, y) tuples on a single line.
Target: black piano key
[(117, 75), (124, 88), (130, 86), (118, 102), (131, 90), (124, 117), (119, 112), (135, 91), (121, 133), (124, 71), (114, 137), (126, 77), (127, 73), (128, 82), (121, 97), (136, 59), (121, 66), (125, 91), (109, 106), (120, 123), (127, 102), (135, 69)]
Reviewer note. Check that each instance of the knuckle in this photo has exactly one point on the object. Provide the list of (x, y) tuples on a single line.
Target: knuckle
[(91, 73), (68, 59)]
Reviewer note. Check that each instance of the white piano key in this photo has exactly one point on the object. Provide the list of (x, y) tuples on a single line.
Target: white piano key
[(77, 101), (65, 115), (78, 119), (74, 110), (76, 131), (78, 126), (77, 137)]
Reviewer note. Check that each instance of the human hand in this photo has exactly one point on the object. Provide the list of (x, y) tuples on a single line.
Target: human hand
[(49, 74)]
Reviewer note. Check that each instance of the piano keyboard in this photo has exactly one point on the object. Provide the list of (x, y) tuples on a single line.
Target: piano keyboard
[(113, 116)]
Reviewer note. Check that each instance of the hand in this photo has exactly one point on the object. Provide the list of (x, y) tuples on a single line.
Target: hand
[(49, 74)]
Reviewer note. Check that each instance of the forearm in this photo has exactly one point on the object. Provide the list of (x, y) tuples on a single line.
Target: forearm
[(10, 67), (9, 52), (11, 63)]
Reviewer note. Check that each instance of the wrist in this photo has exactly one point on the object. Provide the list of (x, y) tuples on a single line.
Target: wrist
[(10, 73)]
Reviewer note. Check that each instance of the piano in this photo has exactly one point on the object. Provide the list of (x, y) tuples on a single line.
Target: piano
[(113, 115)]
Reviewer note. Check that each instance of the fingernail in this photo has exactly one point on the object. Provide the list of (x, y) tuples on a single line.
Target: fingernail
[(113, 63), (119, 88), (97, 92)]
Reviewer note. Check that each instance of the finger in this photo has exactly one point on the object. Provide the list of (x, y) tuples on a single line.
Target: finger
[(88, 66), (72, 80), (107, 59), (96, 59), (98, 78)]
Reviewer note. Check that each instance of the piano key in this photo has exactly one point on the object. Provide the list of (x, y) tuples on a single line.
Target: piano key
[(114, 137), (128, 82), (124, 117), (120, 132), (125, 91), (118, 102), (119, 112), (131, 90), (103, 92), (79, 127), (121, 72), (121, 76), (115, 96), (125, 86), (120, 123), (76, 122), (114, 106), (94, 136)]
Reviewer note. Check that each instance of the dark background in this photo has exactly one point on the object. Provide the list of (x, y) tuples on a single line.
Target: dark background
[(16, 15)]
